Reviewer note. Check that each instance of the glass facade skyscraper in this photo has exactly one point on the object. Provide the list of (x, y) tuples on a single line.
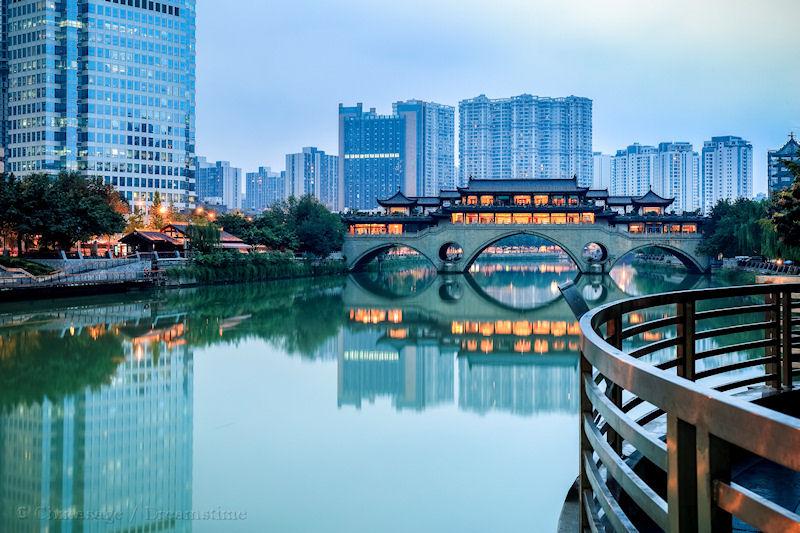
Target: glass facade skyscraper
[(526, 137), (106, 88)]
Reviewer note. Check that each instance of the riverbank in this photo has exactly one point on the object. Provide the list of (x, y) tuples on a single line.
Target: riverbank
[(214, 269)]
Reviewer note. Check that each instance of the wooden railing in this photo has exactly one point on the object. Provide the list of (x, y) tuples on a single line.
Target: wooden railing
[(662, 419)]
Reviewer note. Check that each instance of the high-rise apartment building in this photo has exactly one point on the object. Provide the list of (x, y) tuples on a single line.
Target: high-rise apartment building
[(410, 150), (525, 137), (263, 189), (601, 170), (632, 170), (313, 172), (219, 184), (104, 88), (778, 175), (432, 127), (677, 175), (727, 170)]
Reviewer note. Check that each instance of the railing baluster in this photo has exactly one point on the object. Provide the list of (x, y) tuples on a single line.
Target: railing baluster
[(681, 475), (774, 333), (713, 464), (585, 446), (613, 391), (786, 338), (685, 332)]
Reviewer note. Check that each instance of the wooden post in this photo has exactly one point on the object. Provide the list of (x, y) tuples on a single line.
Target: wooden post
[(713, 464), (686, 347), (681, 475)]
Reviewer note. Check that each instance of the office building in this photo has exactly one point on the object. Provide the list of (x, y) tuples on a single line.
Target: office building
[(219, 184), (727, 170), (525, 137), (313, 172), (601, 171), (123, 109), (263, 189), (632, 170), (677, 175), (433, 127), (779, 177), (410, 150)]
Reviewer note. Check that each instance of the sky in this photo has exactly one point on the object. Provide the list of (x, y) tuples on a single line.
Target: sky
[(271, 73)]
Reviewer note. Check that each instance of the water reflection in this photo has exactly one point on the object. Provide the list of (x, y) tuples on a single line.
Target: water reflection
[(97, 396)]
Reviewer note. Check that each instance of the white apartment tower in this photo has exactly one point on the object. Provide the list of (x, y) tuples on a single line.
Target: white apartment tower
[(632, 170), (727, 170), (677, 175), (526, 137)]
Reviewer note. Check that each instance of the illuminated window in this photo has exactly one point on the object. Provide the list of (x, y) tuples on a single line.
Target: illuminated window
[(558, 218), (573, 218), (457, 218), (587, 218), (559, 200), (522, 200), (487, 200), (541, 199), (675, 228), (522, 328), (503, 327), (690, 228), (636, 228), (502, 218), (541, 218), (472, 218), (472, 200), (399, 210), (486, 218), (573, 200), (522, 218), (652, 210), (395, 229)]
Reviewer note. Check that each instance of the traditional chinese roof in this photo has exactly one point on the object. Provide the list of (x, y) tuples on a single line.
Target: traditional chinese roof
[(398, 200), (619, 200), (151, 236), (790, 149), (653, 199), (428, 201), (597, 194), (449, 194), (224, 236), (553, 186)]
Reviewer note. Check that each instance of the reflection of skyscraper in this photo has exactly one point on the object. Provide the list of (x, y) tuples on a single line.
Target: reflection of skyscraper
[(547, 385), (125, 447), (412, 376)]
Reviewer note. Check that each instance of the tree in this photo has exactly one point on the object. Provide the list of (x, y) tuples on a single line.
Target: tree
[(204, 237), (319, 232), (158, 214), (735, 228), (9, 209), (135, 220), (785, 211), (236, 224)]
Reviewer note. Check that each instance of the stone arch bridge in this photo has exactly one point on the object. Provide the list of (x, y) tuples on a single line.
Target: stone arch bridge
[(614, 242)]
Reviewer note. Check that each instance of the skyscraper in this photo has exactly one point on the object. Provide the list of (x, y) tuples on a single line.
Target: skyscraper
[(313, 172), (677, 175), (632, 170), (778, 175), (410, 150), (727, 170), (526, 137), (601, 170), (432, 127), (103, 88), (219, 184), (264, 188)]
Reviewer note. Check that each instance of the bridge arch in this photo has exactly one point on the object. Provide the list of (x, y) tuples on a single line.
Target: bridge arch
[(472, 255), (692, 263), (371, 253)]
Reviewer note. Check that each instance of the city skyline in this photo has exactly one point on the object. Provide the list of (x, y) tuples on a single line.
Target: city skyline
[(720, 84)]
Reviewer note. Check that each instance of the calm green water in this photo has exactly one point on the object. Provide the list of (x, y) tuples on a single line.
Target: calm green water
[(383, 402)]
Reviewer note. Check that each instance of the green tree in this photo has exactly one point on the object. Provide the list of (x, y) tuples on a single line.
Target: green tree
[(319, 232), (135, 221), (9, 209), (203, 236), (236, 224), (735, 228), (158, 213)]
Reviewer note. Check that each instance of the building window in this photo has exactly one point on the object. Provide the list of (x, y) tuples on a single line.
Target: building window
[(522, 200), (457, 218), (522, 218), (541, 199), (559, 200), (587, 218), (636, 228), (690, 228), (541, 218), (502, 218), (486, 218), (558, 218), (487, 200), (395, 229), (472, 218)]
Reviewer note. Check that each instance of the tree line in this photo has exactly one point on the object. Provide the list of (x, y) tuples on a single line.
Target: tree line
[(57, 211), (745, 227)]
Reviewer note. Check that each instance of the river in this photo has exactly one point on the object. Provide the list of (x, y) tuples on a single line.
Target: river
[(390, 401)]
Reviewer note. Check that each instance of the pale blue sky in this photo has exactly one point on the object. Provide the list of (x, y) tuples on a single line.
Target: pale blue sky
[(271, 73)]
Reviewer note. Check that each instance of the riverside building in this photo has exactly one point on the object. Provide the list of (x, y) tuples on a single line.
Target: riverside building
[(313, 172), (103, 88), (264, 188), (526, 137), (727, 170), (779, 177)]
